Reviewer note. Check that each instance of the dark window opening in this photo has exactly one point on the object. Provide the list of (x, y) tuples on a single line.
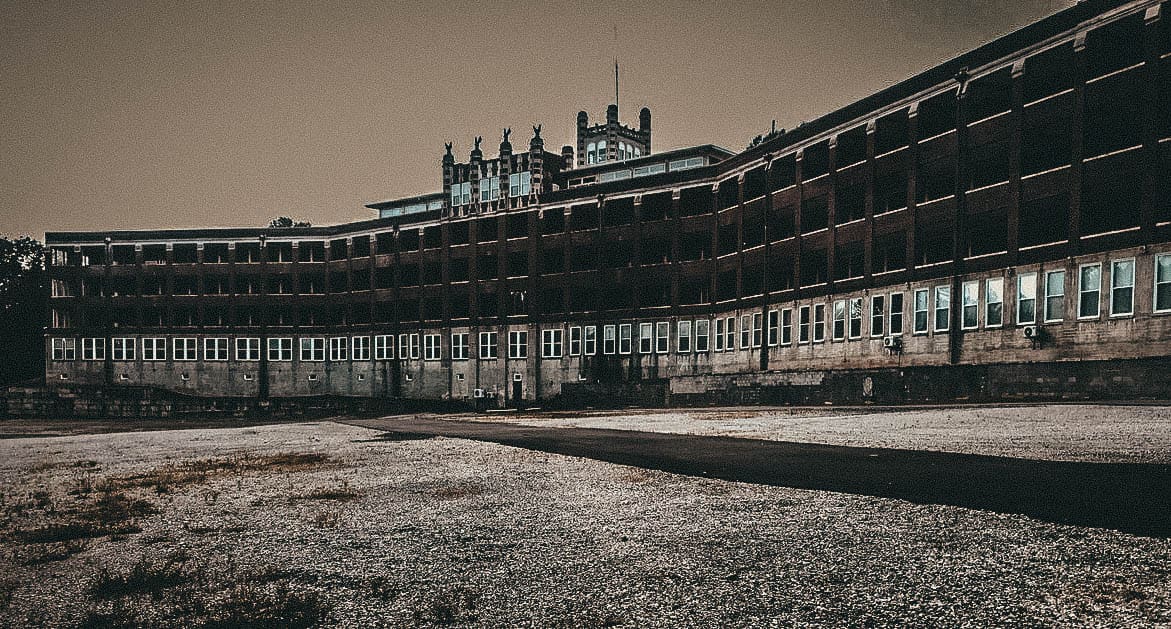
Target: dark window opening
[(307, 252), (486, 230), (385, 242), (551, 300), (186, 253), (338, 282), (360, 247), (654, 207), (1046, 141), (727, 238), (408, 275), (431, 272), (890, 252), (783, 173), (695, 246), (1113, 114), (553, 260), (583, 258), (124, 254), (655, 294), (458, 269), (619, 254), (1112, 194), (936, 180), (432, 239), (1048, 72), (1044, 220), (383, 278), (726, 285), (1115, 45), (891, 132), (583, 299), (432, 307), (851, 147), (752, 279), (408, 240), (216, 253), (937, 115), (815, 161), (488, 305), (933, 244), (782, 275), (553, 222), (989, 164), (518, 225), (849, 202), (753, 230), (987, 232), (989, 95), (280, 252), (458, 306), (583, 216), (693, 201), (487, 267), (655, 251), (814, 269), (618, 212), (890, 192), (694, 290), (849, 261), (814, 213), (458, 232), (154, 254), (729, 193), (755, 184), (518, 263), (782, 223)]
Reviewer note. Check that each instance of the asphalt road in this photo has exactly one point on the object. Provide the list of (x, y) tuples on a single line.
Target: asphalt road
[(1130, 497)]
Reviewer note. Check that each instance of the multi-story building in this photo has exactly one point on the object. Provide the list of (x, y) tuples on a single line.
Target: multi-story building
[(995, 224)]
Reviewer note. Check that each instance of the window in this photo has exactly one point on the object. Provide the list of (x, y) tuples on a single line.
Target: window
[(215, 349), (93, 349), (1122, 287), (719, 335), (662, 337), (432, 346), (877, 314), (942, 308), (774, 325), (123, 348), (757, 329), (609, 339), (818, 323), (745, 331), (361, 347), (384, 347), (518, 344), (65, 349), (184, 348), (404, 346), (856, 318), (970, 302), (591, 340), (645, 340), (1055, 296), (153, 349), (1026, 298), (487, 346), (459, 346), (520, 184), (338, 349), (280, 349), (312, 350), (730, 333), (575, 341), (921, 317), (702, 327), (803, 325), (1163, 283), (994, 302), (683, 337), (551, 343), (896, 313), (839, 323), (787, 326), (1089, 291), (624, 331), (248, 349)]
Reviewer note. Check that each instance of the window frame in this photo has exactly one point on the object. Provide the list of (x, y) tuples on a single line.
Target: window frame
[(1048, 297), (718, 346), (880, 317), (575, 340), (589, 340), (486, 345), (730, 334), (895, 314), (786, 327), (706, 325), (312, 349), (974, 305), (432, 347), (278, 344), (855, 305), (339, 349), (819, 322), (158, 345), (1156, 284), (1115, 287), (625, 339), (383, 347), (518, 344), (683, 336), (1020, 283), (212, 346), (120, 349), (941, 291), (757, 329), (459, 346), (360, 348), (552, 342), (804, 325), (989, 302), (925, 293), (773, 328), (609, 339), (248, 349), (92, 350), (1082, 292)]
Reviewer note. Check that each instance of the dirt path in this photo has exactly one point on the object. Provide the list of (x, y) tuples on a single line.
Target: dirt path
[(1130, 497)]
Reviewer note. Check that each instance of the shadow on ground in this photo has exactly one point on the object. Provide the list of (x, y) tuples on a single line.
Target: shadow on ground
[(1130, 497)]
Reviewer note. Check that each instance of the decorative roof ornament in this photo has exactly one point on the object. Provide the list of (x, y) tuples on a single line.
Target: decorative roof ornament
[(537, 132)]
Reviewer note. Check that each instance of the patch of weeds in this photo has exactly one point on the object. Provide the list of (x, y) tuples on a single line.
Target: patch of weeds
[(458, 490), (282, 605), (144, 577), (638, 475), (48, 553), (449, 607), (168, 478), (341, 492), (383, 588), (69, 531), (326, 519), (205, 529), (111, 514)]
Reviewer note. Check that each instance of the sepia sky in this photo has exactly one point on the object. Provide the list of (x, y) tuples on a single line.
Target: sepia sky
[(142, 115)]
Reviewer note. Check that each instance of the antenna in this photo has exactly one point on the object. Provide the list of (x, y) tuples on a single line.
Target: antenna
[(615, 65)]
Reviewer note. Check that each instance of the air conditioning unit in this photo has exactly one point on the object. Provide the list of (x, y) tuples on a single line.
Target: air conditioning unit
[(477, 393), (1032, 332), (892, 342)]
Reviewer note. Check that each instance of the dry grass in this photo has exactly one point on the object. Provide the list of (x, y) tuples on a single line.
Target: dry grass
[(457, 490), (341, 493), (168, 478), (112, 513)]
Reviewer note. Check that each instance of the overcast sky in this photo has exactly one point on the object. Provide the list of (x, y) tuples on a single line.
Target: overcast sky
[(185, 114)]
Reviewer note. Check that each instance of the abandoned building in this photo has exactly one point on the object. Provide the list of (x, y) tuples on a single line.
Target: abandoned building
[(997, 226)]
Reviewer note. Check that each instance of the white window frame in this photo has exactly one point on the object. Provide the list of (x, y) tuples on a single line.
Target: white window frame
[(683, 336), (184, 348), (551, 342), (280, 349), (730, 334), (998, 282), (855, 313), (609, 339), (459, 345), (384, 347), (970, 301), (819, 322), (313, 349), (745, 331), (1024, 280), (702, 332), (804, 325), (122, 348), (941, 303), (773, 328), (646, 340), (590, 340), (487, 346), (360, 348), (916, 311), (877, 316), (1049, 318), (719, 341), (248, 349), (518, 344), (625, 344), (757, 329), (432, 347), (786, 326), (895, 314), (662, 337), (93, 348), (157, 348), (1115, 287), (839, 319), (1082, 292), (575, 340), (1165, 283), (215, 349), (64, 349), (339, 349)]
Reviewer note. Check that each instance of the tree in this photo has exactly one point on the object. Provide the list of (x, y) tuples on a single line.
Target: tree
[(23, 300), (285, 221)]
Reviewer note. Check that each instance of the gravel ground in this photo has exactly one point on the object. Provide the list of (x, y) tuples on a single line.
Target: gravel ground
[(448, 531), (1060, 432)]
